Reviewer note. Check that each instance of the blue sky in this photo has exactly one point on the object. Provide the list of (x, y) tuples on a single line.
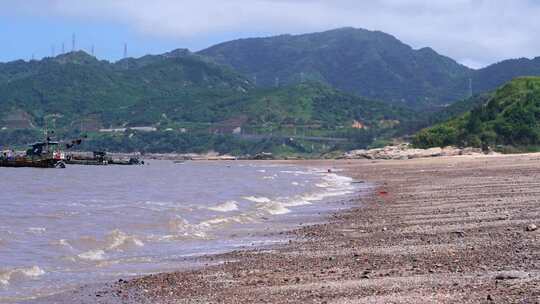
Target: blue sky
[(474, 32), (25, 36)]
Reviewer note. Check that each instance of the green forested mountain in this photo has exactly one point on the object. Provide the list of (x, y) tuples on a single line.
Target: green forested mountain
[(303, 118), (176, 87), (284, 87), (511, 116), (369, 63), (178, 92), (432, 118), (132, 92)]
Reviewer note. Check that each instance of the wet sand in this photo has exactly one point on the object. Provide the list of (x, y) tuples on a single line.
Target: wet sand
[(440, 230)]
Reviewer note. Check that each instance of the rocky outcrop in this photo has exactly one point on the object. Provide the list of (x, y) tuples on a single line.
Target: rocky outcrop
[(405, 151)]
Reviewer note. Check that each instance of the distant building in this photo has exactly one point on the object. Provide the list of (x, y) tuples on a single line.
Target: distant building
[(113, 130), (144, 129), (224, 129), (229, 126), (237, 130), (120, 130), (358, 125)]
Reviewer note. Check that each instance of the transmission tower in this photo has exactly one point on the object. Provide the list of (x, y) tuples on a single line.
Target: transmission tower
[(125, 50), (470, 87), (73, 41), (63, 48)]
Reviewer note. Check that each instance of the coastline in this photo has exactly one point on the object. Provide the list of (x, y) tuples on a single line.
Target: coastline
[(445, 230)]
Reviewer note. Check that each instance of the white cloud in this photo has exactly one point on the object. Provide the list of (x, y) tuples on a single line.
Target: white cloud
[(474, 32)]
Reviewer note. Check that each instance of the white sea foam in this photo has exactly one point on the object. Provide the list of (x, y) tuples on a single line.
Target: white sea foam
[(7, 276), (297, 201), (225, 207), (92, 255), (162, 204), (322, 185), (61, 243), (37, 230), (273, 208), (182, 229), (257, 199), (118, 240), (296, 173)]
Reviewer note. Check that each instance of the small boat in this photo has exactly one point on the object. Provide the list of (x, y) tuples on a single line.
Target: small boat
[(100, 158), (127, 162), (40, 155)]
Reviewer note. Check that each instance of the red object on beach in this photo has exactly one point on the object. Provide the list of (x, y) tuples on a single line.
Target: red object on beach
[(383, 193)]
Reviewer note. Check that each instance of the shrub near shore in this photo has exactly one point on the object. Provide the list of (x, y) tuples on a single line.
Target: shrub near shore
[(510, 118)]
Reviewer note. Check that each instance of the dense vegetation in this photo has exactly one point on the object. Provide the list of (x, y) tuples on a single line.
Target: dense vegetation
[(511, 117), (367, 63), (193, 103), (226, 98), (75, 86), (371, 64)]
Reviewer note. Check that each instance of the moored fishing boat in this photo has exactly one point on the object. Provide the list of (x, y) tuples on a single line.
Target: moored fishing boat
[(100, 158), (40, 155)]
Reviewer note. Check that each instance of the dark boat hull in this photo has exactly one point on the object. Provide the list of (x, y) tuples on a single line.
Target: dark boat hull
[(30, 163), (86, 162)]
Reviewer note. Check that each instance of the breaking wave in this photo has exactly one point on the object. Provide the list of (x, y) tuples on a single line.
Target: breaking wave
[(6, 276), (92, 255), (273, 208), (36, 230), (257, 199), (225, 207), (116, 240)]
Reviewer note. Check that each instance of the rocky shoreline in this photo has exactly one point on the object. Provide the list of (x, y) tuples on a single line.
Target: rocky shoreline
[(394, 152), (405, 151), (437, 230)]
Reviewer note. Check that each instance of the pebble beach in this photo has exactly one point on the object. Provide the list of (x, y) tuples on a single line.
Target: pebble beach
[(437, 230)]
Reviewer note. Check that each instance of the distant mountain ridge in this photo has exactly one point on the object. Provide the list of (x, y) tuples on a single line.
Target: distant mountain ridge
[(174, 90), (128, 92), (349, 83), (372, 64)]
